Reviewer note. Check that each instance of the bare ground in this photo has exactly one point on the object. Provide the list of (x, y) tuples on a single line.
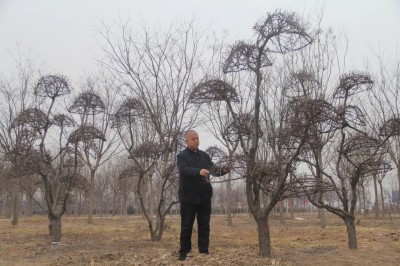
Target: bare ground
[(125, 241)]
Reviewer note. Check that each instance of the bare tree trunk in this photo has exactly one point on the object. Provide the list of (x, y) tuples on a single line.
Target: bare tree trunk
[(4, 206), (55, 229), (281, 212), (101, 211), (151, 211), (291, 208), (398, 181), (114, 205), (351, 232), (382, 198), (264, 237), (29, 211), (229, 199), (15, 204), (124, 207), (156, 233), (91, 198), (76, 204), (321, 211), (364, 198), (376, 203), (359, 202), (80, 211)]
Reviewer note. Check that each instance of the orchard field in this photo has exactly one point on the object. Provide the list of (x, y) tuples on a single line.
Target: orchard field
[(125, 241)]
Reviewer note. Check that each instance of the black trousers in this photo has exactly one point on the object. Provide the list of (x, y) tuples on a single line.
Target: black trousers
[(188, 214)]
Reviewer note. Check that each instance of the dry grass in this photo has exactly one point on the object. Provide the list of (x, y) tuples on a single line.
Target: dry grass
[(125, 241)]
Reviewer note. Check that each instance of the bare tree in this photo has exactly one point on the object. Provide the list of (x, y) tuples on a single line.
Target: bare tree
[(385, 103), (16, 96), (218, 119), (44, 129), (379, 180), (96, 110), (279, 32), (155, 71), (318, 64), (145, 153), (103, 186), (29, 185), (357, 153)]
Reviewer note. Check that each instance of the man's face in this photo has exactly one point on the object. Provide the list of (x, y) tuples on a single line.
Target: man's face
[(192, 140)]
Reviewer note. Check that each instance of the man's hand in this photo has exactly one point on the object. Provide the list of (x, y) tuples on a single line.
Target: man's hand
[(204, 173)]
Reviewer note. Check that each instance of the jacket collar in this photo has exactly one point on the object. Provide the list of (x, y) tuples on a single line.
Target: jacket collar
[(192, 151)]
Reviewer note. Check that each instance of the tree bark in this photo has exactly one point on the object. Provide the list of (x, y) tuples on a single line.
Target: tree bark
[(281, 212), (398, 181), (55, 225), (157, 232), (321, 212), (29, 209), (376, 203), (114, 204), (124, 207), (382, 199), (264, 237), (291, 208), (91, 198), (15, 205), (100, 209), (364, 201), (229, 199), (151, 210), (351, 232), (76, 204)]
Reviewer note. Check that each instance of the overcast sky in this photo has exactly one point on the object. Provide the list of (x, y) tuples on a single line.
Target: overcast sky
[(61, 32)]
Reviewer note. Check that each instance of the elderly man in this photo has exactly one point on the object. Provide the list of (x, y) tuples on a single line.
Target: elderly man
[(195, 193)]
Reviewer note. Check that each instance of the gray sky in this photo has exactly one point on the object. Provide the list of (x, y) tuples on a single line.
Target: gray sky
[(61, 32)]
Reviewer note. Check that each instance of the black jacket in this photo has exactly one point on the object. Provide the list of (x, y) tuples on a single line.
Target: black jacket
[(193, 188)]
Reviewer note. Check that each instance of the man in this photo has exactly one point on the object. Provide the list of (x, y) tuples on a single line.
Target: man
[(195, 193)]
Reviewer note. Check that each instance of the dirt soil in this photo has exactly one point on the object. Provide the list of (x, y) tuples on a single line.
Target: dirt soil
[(125, 241)]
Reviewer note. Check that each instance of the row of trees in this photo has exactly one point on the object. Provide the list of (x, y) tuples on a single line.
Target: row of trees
[(117, 197), (290, 121)]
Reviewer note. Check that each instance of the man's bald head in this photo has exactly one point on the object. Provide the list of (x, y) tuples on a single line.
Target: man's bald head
[(192, 139)]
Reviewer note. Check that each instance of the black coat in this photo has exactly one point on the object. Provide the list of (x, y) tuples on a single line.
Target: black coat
[(193, 188)]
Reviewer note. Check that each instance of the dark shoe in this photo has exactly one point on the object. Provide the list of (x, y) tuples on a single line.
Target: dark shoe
[(182, 256), (204, 253)]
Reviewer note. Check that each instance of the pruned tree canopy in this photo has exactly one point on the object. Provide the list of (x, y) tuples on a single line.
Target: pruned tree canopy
[(28, 161), (353, 83), (242, 128), (213, 90), (52, 86), (350, 115), (390, 127), (282, 32), (360, 145), (128, 111), (62, 121), (301, 84), (245, 56), (85, 133), (87, 103), (147, 149), (32, 117), (279, 32), (317, 115)]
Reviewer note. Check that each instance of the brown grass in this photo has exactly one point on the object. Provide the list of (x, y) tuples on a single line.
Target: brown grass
[(125, 241)]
